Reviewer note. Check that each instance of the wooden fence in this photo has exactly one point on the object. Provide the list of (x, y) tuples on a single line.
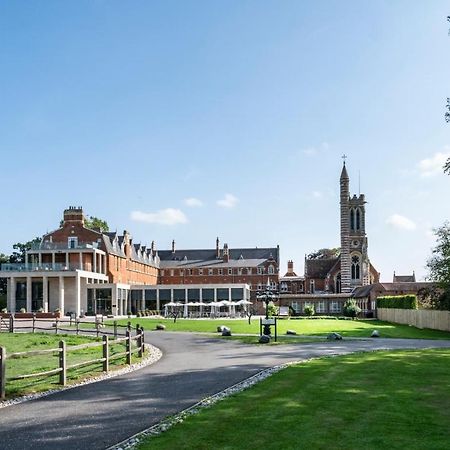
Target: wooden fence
[(420, 318), (63, 350)]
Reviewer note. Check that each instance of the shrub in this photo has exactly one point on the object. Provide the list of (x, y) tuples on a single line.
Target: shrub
[(23, 310), (309, 310), (351, 309), (397, 301), (272, 310)]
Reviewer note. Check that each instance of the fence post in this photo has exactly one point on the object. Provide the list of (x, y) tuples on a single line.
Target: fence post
[(139, 342), (142, 340), (2, 372), (115, 329), (62, 363), (105, 353), (11, 323), (78, 326), (137, 329), (97, 326), (129, 326), (34, 321), (128, 347)]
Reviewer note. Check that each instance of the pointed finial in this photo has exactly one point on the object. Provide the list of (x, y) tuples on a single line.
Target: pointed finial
[(344, 157)]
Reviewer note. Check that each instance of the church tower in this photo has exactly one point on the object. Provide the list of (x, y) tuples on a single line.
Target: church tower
[(355, 263)]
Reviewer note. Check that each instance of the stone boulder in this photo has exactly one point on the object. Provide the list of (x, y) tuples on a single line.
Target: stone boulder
[(291, 332), (375, 333), (264, 339), (226, 331), (334, 337), (160, 326)]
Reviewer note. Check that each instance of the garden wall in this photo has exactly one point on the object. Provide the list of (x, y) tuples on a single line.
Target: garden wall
[(420, 318)]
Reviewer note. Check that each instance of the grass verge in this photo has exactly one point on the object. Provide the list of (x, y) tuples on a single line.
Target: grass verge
[(395, 400), (347, 328), (20, 342)]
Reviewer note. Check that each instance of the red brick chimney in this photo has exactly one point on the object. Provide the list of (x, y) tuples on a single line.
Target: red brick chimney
[(217, 248), (226, 255), (173, 246), (74, 214), (290, 269)]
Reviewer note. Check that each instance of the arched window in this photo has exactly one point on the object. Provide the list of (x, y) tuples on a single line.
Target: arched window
[(338, 283), (356, 269), (352, 219), (271, 270), (312, 286), (358, 219)]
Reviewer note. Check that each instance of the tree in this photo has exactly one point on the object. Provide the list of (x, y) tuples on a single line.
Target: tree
[(18, 256), (309, 310), (93, 223), (325, 253), (439, 270)]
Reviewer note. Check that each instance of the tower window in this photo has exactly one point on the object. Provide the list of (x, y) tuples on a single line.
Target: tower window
[(356, 270), (358, 219), (352, 219)]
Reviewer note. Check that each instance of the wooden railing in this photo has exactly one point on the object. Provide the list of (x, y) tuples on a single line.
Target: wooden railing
[(63, 350)]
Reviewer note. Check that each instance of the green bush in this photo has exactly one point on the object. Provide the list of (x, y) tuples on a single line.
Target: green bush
[(309, 310), (351, 309), (272, 310), (397, 301)]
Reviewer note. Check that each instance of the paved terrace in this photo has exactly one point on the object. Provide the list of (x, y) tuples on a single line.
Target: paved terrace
[(99, 415)]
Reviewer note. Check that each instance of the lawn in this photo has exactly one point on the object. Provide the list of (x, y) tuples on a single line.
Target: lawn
[(379, 400), (316, 327), (20, 342)]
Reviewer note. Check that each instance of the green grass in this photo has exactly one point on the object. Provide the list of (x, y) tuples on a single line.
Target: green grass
[(380, 400), (20, 342), (316, 327)]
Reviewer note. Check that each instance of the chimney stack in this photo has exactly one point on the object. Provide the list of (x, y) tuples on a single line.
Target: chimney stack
[(217, 248), (173, 246), (74, 214), (290, 269), (226, 255)]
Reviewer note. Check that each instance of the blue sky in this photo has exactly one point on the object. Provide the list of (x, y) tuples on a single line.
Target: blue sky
[(197, 119)]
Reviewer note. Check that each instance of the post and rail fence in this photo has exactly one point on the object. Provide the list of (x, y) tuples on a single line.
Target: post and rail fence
[(63, 350)]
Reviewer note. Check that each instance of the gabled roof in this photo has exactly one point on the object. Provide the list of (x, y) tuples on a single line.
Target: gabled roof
[(319, 268), (404, 278)]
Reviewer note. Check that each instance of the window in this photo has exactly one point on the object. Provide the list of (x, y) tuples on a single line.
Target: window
[(271, 270), (181, 272), (358, 219), (172, 272), (283, 287), (190, 272), (260, 270), (162, 273), (321, 308), (249, 271), (259, 286), (312, 287), (220, 271), (352, 219), (296, 307), (356, 270), (335, 307), (210, 271), (230, 271), (338, 283), (200, 271), (72, 242), (240, 271)]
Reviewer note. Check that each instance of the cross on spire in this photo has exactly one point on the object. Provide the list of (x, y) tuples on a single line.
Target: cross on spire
[(344, 157)]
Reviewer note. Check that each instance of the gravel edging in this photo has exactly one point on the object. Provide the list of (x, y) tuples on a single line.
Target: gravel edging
[(154, 355)]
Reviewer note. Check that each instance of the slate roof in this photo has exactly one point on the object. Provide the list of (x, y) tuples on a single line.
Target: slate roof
[(404, 278), (319, 268)]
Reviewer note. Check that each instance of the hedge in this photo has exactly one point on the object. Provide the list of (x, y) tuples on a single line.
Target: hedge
[(397, 301)]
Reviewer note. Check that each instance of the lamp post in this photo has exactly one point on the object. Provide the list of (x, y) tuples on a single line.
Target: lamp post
[(269, 294)]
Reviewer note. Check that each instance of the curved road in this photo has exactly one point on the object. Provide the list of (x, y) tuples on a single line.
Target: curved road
[(99, 415)]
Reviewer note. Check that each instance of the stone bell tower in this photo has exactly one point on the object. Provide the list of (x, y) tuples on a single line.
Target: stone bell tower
[(354, 255)]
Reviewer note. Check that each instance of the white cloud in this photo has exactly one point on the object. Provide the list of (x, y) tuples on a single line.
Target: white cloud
[(312, 151), (193, 202), (432, 166), (401, 222), (168, 216), (229, 201)]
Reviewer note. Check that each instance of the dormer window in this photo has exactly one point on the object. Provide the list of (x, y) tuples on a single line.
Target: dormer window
[(271, 270), (72, 242)]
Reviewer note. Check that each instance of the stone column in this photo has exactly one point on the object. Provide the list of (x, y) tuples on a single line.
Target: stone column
[(61, 295), (78, 295), (29, 294), (143, 300), (40, 259), (81, 261), (158, 306), (53, 260), (94, 260), (45, 293), (67, 260), (12, 294), (100, 265)]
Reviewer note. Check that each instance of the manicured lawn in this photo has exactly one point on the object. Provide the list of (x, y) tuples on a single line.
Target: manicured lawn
[(317, 327), (20, 342), (381, 400)]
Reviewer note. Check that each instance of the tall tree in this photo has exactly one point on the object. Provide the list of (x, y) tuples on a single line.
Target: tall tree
[(93, 223), (325, 253), (18, 256), (439, 268)]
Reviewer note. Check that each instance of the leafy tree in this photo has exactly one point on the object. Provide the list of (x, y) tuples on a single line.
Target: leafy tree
[(351, 309), (309, 310), (325, 253), (18, 256), (3, 282), (93, 222), (439, 270), (272, 310)]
